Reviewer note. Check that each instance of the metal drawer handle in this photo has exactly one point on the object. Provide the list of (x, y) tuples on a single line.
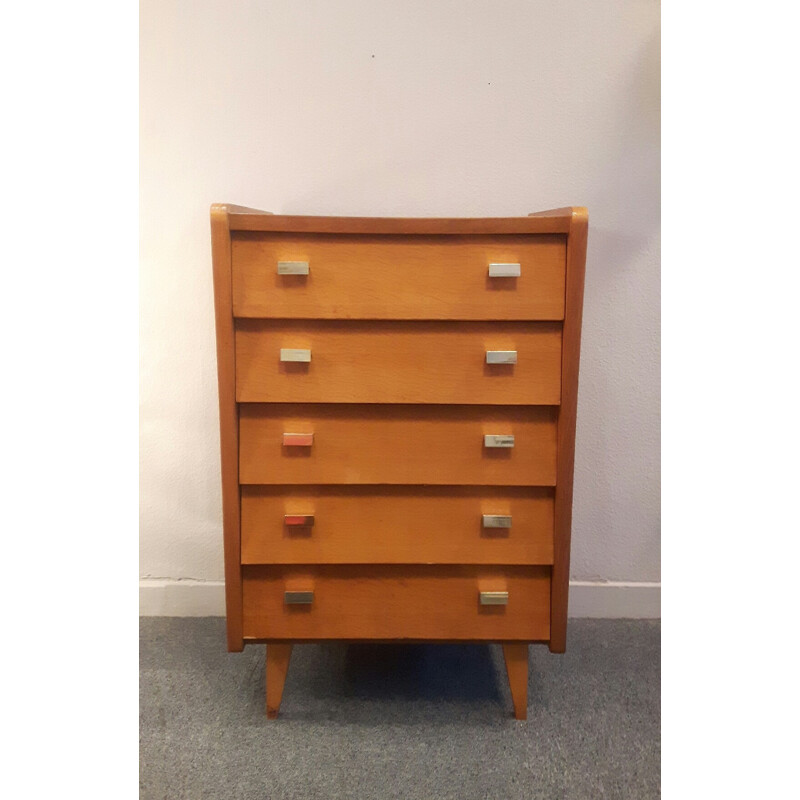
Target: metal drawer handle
[(499, 357), (496, 520), (293, 268), (293, 354), (302, 520), (504, 270), (498, 440), (298, 598), (494, 598), (298, 439)]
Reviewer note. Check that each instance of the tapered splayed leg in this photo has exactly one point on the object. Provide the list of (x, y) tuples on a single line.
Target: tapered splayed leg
[(278, 656), (516, 656)]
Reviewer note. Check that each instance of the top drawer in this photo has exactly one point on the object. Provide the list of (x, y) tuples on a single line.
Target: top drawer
[(398, 277)]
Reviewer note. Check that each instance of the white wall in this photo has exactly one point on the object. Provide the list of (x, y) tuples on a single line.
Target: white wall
[(406, 108)]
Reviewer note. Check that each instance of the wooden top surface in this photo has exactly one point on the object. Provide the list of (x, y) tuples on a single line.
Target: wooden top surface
[(248, 219)]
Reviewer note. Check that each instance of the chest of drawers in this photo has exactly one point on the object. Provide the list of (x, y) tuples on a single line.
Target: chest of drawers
[(397, 423)]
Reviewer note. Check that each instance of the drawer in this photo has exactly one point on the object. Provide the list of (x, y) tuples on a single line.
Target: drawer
[(397, 362), (396, 525), (397, 444), (393, 602), (398, 277)]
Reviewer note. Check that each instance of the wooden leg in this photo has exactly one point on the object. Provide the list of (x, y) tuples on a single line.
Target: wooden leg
[(516, 656), (278, 656)]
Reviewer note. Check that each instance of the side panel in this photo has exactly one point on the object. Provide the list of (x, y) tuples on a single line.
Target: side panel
[(565, 453), (228, 423)]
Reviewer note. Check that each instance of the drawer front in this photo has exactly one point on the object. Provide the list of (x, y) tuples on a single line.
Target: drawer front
[(392, 602), (397, 444), (396, 525), (398, 362), (398, 277)]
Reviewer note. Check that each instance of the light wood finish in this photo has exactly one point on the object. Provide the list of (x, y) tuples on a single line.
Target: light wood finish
[(229, 426), (278, 656), (398, 362), (234, 210), (398, 277), (564, 214), (571, 353), (556, 221), (397, 602), (516, 658), (396, 525), (398, 444), (392, 411)]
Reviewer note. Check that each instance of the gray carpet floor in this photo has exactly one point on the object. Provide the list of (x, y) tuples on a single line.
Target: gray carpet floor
[(422, 722)]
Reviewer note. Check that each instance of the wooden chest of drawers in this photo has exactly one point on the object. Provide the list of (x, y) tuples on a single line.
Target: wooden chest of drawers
[(397, 421)]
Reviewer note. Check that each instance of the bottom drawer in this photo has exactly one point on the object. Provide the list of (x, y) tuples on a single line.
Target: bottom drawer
[(396, 602)]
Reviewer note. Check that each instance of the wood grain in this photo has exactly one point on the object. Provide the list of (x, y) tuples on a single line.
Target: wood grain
[(398, 277), (228, 424), (398, 362), (394, 444), (516, 658), (396, 525), (571, 352), (277, 665), (555, 221), (397, 476), (392, 602)]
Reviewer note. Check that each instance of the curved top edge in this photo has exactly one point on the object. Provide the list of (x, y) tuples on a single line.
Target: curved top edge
[(241, 218), (580, 215), (232, 208), (566, 211)]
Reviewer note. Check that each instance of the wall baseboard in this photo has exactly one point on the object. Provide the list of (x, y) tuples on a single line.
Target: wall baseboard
[(165, 597), (161, 597), (614, 600)]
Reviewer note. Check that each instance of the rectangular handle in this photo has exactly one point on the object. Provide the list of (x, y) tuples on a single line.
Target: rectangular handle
[(504, 270), (498, 440), (294, 354), (298, 439), (501, 356), (298, 598), (303, 520), (494, 598), (496, 520), (293, 268)]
